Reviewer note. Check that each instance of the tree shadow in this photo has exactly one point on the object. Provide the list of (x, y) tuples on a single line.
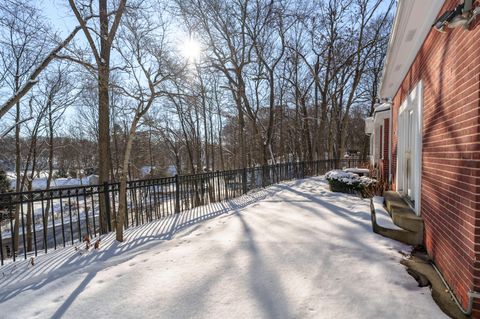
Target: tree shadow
[(67, 303), (263, 276), (274, 302), (21, 276)]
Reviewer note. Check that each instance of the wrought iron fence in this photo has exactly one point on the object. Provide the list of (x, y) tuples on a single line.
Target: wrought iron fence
[(51, 218)]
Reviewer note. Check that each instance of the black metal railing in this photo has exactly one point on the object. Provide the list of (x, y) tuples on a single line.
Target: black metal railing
[(64, 216)]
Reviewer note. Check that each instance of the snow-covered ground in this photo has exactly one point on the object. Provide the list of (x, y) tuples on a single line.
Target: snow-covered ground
[(293, 250), (41, 182)]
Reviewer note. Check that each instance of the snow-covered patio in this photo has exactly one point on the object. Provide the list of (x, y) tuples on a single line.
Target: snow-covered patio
[(293, 250)]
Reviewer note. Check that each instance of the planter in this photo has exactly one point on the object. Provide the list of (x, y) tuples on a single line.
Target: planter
[(350, 183)]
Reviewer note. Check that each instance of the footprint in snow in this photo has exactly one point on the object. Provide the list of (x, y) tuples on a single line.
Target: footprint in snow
[(58, 299)]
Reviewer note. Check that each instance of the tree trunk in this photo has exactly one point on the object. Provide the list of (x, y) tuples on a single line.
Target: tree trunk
[(103, 141), (306, 130), (122, 200), (50, 161), (18, 183), (28, 225)]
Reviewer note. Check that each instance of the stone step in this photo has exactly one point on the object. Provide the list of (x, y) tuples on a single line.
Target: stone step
[(390, 230), (406, 219), (402, 214), (393, 199)]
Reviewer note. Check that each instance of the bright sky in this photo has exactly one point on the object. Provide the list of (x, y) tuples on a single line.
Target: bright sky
[(57, 12), (59, 15), (61, 18)]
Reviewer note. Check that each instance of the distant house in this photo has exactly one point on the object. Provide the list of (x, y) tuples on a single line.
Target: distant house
[(146, 171), (378, 128), (426, 138), (149, 171), (171, 170)]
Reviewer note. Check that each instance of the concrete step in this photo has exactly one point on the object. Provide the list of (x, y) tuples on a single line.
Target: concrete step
[(393, 199), (406, 219), (388, 229), (402, 214)]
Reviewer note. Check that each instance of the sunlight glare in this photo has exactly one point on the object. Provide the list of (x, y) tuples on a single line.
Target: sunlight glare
[(191, 49)]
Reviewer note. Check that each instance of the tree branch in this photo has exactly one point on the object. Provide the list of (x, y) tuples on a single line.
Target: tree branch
[(32, 80)]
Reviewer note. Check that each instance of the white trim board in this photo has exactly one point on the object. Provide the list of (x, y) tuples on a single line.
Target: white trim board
[(409, 146), (413, 21)]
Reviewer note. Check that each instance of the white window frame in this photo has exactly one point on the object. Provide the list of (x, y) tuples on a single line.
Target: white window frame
[(413, 102)]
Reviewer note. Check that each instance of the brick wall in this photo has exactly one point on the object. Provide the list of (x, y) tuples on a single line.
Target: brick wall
[(449, 66)]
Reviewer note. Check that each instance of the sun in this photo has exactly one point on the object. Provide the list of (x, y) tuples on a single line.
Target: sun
[(191, 49)]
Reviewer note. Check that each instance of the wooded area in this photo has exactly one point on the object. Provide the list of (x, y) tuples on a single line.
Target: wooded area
[(199, 85)]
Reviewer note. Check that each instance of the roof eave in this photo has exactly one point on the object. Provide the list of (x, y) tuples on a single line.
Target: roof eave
[(413, 21)]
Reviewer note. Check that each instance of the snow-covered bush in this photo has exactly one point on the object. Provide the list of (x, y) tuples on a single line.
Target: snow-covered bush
[(346, 182), (4, 188)]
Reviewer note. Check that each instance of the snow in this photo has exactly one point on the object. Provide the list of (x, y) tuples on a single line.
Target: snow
[(171, 170), (349, 177), (356, 170), (381, 215), (145, 170), (41, 183), (292, 250), (382, 107), (342, 176)]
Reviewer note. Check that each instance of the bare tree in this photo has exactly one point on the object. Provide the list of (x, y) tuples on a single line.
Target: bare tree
[(100, 38), (24, 11), (223, 27), (54, 95), (22, 48), (272, 19), (144, 49)]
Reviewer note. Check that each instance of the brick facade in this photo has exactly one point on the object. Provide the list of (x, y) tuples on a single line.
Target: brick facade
[(448, 64)]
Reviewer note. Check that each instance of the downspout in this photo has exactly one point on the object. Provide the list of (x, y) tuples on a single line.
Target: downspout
[(471, 295)]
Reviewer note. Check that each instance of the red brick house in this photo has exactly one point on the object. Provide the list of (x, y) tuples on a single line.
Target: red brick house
[(431, 81)]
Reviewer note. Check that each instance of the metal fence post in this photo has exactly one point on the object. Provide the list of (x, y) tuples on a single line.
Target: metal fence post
[(107, 205), (177, 195), (263, 176)]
